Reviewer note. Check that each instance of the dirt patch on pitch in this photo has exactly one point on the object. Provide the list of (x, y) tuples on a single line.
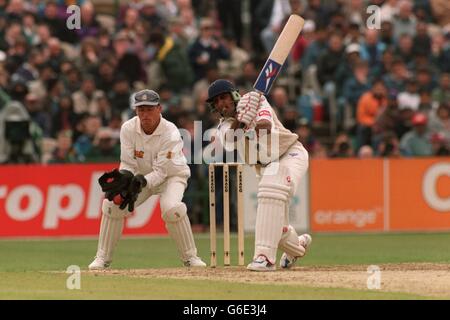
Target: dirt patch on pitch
[(424, 279)]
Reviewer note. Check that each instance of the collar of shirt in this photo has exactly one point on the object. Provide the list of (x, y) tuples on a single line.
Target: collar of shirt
[(158, 131)]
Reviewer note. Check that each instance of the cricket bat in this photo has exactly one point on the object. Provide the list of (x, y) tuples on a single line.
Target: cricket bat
[(279, 53)]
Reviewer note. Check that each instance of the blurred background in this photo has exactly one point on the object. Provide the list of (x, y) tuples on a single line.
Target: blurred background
[(346, 90)]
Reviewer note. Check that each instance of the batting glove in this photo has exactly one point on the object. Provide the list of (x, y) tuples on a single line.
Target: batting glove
[(248, 106)]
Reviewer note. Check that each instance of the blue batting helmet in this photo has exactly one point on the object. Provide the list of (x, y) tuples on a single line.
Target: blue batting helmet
[(222, 86)]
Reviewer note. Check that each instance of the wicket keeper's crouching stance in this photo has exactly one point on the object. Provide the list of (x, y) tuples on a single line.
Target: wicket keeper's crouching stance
[(151, 162), (278, 176)]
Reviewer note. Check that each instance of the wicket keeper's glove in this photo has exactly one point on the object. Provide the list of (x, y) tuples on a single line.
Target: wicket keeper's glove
[(114, 182), (130, 196)]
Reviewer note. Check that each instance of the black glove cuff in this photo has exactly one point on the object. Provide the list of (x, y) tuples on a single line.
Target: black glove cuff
[(141, 179)]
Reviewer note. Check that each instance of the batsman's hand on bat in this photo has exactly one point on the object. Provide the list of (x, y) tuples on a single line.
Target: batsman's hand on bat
[(131, 194), (114, 182), (247, 107)]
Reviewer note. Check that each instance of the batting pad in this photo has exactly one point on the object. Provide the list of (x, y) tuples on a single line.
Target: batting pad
[(110, 230), (269, 227), (273, 197), (290, 244), (179, 228)]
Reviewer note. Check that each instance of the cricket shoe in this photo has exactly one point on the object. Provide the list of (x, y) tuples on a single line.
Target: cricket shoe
[(194, 262), (99, 264), (261, 263), (287, 260)]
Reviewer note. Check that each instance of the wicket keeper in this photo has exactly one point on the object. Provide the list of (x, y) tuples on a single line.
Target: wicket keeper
[(151, 162)]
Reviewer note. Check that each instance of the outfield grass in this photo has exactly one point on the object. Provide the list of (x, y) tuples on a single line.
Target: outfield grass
[(24, 267)]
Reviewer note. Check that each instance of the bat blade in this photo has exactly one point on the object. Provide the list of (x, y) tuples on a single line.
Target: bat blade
[(279, 53)]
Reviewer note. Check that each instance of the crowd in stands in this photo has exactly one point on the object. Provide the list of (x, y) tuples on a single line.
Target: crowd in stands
[(64, 93)]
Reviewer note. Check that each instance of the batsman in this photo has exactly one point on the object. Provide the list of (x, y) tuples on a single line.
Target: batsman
[(151, 162), (279, 173)]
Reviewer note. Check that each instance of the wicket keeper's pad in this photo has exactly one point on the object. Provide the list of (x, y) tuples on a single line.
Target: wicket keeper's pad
[(179, 228), (110, 229), (273, 198)]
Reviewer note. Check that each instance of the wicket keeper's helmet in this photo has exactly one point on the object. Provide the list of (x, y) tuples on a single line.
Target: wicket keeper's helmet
[(221, 86)]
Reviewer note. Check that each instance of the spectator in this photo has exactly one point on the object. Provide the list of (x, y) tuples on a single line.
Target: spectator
[(206, 50), (365, 152), (385, 66), (150, 14), (355, 86), (422, 41), (234, 65), (105, 148), (248, 77), (387, 33), (425, 105), (105, 76), (39, 116), (280, 10), (353, 34), (372, 48), (290, 117), (29, 28), (345, 69), (86, 99), (29, 69), (404, 21), (330, 59), (440, 120), (89, 26), (230, 18), (303, 41), (89, 58), (316, 48), (64, 151), (63, 118), (440, 145), (279, 100), (389, 145), (386, 121), (327, 68), (316, 12), (409, 98), (442, 93), (342, 147), (425, 81), (56, 53), (56, 24), (177, 73), (389, 10), (370, 105), (178, 33), (404, 49), (128, 62), (396, 78), (84, 143), (440, 9), (417, 142), (440, 52), (120, 95), (305, 135)]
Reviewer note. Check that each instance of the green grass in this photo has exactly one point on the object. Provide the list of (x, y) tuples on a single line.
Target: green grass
[(24, 267), (39, 285)]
